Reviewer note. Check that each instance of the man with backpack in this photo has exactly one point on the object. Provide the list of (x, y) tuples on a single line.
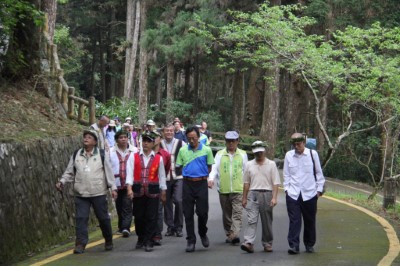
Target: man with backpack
[(303, 184), (89, 170)]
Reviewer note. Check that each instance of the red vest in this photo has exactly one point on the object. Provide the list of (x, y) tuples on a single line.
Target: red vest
[(145, 179)]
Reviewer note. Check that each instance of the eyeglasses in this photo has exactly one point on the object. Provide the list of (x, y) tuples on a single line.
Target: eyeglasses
[(230, 140), (194, 138), (297, 143)]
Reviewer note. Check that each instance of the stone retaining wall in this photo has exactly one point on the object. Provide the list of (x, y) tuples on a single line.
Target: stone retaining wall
[(33, 214)]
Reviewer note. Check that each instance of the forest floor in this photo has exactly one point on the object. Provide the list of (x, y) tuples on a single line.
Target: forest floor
[(27, 115)]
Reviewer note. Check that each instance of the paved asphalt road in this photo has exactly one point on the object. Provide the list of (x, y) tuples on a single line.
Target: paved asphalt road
[(345, 236)]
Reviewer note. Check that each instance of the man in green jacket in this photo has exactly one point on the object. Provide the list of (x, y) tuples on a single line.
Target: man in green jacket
[(227, 172)]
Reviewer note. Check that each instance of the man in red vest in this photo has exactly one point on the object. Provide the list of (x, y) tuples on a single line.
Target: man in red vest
[(147, 186)]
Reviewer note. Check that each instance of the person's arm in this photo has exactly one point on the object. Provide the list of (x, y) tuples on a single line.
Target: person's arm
[(246, 186), (163, 181), (276, 180), (274, 199), (130, 164), (319, 174), (110, 176), (286, 174), (214, 174), (68, 175)]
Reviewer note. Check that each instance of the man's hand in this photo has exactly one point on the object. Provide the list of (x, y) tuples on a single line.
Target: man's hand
[(114, 194), (163, 196), (319, 194), (244, 202), (129, 192), (210, 183), (273, 202), (59, 186)]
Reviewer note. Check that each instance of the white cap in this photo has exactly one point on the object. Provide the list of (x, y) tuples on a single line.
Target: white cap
[(258, 146)]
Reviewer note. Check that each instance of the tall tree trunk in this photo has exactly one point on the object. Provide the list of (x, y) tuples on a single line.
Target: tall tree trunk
[(170, 88), (254, 101), (50, 7), (238, 100), (102, 68), (186, 91), (110, 67), (196, 85), (133, 38), (92, 81), (143, 72), (270, 117)]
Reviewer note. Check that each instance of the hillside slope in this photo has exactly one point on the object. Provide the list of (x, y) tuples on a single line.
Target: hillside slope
[(27, 114)]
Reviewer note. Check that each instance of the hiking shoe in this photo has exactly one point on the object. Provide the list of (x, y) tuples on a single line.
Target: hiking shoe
[(139, 245), (190, 247), (126, 233), (268, 248), (79, 249), (170, 232), (247, 247), (204, 241), (178, 233), (235, 240), (156, 241), (309, 249), (108, 246), (148, 248), (293, 251)]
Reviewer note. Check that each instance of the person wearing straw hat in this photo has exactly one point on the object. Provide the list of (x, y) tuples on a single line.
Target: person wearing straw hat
[(260, 195)]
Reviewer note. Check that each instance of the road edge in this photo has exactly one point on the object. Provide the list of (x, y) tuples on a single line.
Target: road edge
[(394, 244)]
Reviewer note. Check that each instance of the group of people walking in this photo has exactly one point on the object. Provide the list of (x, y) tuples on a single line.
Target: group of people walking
[(166, 177)]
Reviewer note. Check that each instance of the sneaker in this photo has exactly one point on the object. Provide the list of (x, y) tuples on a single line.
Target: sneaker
[(228, 240), (79, 249), (247, 247), (108, 246), (118, 232), (178, 233), (309, 249), (268, 248), (148, 248), (139, 245), (293, 251), (156, 241), (235, 240), (126, 233), (205, 241), (190, 247), (170, 232)]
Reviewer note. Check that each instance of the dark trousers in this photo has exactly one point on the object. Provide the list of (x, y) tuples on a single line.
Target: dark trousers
[(82, 211), (174, 221), (160, 226), (123, 205), (145, 212), (298, 209), (195, 194)]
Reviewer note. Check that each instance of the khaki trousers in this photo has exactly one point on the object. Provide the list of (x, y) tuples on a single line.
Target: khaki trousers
[(232, 210)]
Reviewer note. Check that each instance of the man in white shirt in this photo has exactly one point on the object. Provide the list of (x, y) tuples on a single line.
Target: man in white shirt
[(260, 195), (303, 184), (146, 184), (121, 155)]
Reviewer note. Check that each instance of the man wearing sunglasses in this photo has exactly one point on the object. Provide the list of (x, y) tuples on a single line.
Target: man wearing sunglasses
[(227, 172), (302, 190)]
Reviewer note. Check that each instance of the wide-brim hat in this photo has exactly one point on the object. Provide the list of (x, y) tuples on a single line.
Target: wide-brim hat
[(91, 132)]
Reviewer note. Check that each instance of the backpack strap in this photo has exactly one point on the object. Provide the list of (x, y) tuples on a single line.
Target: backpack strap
[(73, 160)]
